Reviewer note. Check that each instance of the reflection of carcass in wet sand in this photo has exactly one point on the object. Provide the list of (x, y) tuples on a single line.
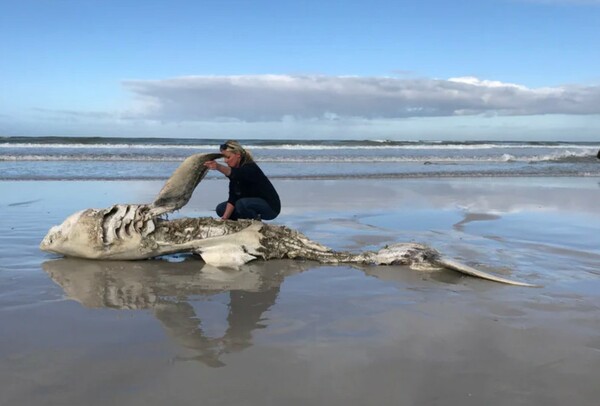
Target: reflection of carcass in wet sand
[(164, 287)]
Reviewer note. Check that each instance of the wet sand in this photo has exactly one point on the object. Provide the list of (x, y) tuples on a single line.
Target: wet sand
[(299, 333)]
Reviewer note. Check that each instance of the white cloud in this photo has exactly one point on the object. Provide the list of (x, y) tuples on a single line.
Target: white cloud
[(470, 80), (255, 98)]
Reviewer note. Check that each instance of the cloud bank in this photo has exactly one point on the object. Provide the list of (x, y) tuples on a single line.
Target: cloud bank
[(264, 98)]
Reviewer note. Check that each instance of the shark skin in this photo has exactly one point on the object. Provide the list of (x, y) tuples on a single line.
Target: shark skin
[(140, 231)]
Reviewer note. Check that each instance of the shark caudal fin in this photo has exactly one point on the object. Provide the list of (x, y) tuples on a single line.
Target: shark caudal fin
[(467, 270), (178, 189)]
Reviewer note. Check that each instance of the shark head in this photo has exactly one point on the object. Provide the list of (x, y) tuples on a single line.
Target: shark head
[(80, 235), (59, 235)]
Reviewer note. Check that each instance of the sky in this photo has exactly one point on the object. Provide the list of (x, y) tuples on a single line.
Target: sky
[(399, 70)]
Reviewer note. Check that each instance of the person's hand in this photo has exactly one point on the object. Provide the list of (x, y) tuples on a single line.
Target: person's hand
[(211, 165)]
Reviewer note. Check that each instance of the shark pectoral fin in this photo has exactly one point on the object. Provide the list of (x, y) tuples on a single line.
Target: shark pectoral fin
[(232, 250), (225, 256), (467, 270)]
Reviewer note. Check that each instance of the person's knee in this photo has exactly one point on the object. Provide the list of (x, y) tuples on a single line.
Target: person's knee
[(220, 209)]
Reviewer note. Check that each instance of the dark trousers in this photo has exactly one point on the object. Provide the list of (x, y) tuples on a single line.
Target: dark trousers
[(253, 208)]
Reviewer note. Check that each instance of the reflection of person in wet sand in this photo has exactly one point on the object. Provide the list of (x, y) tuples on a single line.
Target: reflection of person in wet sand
[(245, 312), (160, 286)]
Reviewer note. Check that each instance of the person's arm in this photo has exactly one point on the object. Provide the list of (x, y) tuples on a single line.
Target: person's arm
[(228, 211), (224, 169)]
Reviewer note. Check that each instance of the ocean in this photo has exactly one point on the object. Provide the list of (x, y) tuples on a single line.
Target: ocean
[(98, 158)]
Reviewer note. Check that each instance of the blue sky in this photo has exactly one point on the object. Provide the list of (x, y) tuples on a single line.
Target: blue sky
[(486, 69)]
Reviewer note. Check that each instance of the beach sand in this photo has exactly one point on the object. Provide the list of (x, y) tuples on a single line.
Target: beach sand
[(77, 332)]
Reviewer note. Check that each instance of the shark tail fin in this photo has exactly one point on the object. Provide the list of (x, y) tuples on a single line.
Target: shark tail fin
[(467, 270), (178, 189)]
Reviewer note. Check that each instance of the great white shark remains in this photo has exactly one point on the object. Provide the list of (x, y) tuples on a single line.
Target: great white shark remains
[(141, 231)]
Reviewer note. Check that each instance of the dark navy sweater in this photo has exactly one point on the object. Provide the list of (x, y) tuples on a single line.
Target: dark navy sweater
[(249, 181)]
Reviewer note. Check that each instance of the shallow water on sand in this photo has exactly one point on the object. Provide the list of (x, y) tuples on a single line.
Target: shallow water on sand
[(150, 332)]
